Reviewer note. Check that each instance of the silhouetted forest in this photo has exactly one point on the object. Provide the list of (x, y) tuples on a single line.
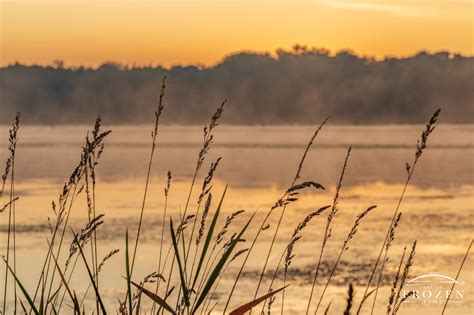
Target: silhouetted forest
[(296, 86)]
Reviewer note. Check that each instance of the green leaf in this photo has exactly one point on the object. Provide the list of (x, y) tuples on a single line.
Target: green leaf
[(127, 271), (180, 267), (208, 238), (22, 288), (215, 273), (155, 298)]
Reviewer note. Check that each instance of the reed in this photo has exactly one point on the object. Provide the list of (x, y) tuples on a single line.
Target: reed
[(396, 279), (99, 268), (457, 276), (345, 247), (206, 188), (208, 139), (211, 296), (93, 147), (11, 230), (391, 238), (288, 197), (421, 146), (398, 300), (203, 256), (163, 220), (154, 135), (349, 300), (289, 249), (327, 230), (212, 258)]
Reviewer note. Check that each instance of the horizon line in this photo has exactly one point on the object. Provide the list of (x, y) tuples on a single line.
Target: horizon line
[(296, 49)]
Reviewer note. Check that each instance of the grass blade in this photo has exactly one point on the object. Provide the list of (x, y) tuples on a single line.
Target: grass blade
[(326, 312), (127, 271), (215, 273), (155, 298), (248, 306), (22, 288), (364, 299), (77, 309), (456, 279), (41, 306), (181, 272), (208, 238), (102, 307)]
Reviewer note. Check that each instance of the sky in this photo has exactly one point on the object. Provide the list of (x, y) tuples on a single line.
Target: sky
[(203, 32)]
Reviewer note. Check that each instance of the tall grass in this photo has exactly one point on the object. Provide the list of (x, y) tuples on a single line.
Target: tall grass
[(421, 145), (345, 247), (327, 230), (391, 238), (288, 197), (457, 276), (190, 266), (11, 232), (154, 135)]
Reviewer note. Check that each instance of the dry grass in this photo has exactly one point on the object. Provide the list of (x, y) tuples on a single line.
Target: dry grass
[(195, 263)]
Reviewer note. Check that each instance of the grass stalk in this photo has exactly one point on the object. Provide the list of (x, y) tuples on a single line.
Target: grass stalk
[(344, 248), (159, 270), (456, 279), (264, 223), (10, 166), (297, 176), (327, 230), (385, 258), (289, 249), (420, 147), (154, 135), (91, 277), (391, 298), (208, 139)]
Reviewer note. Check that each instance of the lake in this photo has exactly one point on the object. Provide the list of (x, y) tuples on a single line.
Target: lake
[(258, 164)]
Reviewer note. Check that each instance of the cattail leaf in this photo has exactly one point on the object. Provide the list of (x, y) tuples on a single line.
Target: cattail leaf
[(23, 290), (248, 306), (155, 298), (208, 238), (180, 266), (215, 273)]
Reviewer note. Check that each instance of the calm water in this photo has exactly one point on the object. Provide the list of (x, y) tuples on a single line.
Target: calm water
[(259, 163)]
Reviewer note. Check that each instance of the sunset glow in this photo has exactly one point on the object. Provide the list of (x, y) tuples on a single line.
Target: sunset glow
[(203, 32)]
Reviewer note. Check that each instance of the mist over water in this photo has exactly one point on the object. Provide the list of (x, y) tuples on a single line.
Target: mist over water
[(259, 163), (252, 156)]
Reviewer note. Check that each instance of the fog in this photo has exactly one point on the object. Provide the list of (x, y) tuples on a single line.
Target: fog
[(300, 86)]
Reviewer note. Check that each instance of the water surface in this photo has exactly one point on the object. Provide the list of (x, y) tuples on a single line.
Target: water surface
[(259, 163)]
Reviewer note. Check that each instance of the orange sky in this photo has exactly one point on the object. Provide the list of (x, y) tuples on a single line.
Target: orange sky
[(89, 32)]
